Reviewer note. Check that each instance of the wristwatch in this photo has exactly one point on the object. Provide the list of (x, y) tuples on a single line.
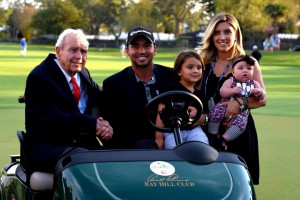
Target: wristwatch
[(205, 120), (242, 106)]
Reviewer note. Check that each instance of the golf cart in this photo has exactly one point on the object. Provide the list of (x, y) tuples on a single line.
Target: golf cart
[(192, 170)]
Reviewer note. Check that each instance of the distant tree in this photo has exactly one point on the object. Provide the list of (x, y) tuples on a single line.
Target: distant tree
[(146, 13), (111, 15), (4, 14), (3, 17), (199, 16), (114, 14), (249, 13), (26, 15), (169, 16), (275, 11), (288, 22), (57, 17), (92, 13), (19, 22), (179, 10), (83, 3), (209, 8), (143, 14)]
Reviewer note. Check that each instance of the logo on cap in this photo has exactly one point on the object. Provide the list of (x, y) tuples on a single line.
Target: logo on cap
[(140, 31)]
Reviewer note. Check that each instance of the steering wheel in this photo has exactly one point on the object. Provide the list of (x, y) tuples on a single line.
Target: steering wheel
[(175, 114)]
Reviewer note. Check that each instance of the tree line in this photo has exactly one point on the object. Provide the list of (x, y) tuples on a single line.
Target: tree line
[(33, 18)]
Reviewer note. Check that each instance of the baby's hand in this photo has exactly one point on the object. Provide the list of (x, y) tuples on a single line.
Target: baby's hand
[(236, 90), (256, 92)]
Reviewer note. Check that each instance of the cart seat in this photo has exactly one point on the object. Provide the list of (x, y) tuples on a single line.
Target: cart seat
[(41, 181)]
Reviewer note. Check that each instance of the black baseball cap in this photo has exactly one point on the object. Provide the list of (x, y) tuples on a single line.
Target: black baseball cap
[(139, 31)]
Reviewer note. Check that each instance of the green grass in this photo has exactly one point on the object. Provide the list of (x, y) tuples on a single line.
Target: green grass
[(277, 123)]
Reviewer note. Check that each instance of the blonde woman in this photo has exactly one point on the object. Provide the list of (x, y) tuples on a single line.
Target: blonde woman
[(222, 43)]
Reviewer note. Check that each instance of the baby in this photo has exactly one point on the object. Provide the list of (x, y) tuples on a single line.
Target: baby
[(236, 88)]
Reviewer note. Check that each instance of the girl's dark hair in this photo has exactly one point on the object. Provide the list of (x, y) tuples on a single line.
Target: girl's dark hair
[(181, 58)]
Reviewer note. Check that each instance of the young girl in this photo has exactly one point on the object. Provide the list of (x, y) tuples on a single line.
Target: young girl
[(240, 85), (188, 69)]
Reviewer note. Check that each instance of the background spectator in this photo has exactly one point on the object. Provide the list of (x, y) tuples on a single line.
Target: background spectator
[(275, 42), (268, 44), (255, 53), (23, 45), (122, 50)]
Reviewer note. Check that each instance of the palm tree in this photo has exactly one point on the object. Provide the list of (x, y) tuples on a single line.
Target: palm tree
[(275, 11)]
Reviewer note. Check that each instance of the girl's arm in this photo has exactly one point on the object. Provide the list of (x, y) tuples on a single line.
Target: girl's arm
[(159, 139)]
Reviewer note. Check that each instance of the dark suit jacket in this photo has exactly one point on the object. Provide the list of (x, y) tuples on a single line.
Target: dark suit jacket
[(53, 120), (124, 105), (256, 54)]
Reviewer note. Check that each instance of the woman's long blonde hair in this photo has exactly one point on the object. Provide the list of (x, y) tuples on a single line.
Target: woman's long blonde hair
[(208, 51)]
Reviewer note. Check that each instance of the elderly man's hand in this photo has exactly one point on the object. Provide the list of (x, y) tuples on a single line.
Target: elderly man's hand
[(103, 129)]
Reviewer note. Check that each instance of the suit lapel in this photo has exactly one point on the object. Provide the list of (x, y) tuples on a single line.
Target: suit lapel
[(159, 79), (134, 91), (60, 82)]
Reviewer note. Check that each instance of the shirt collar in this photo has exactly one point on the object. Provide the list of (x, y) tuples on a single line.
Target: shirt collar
[(151, 81), (68, 77)]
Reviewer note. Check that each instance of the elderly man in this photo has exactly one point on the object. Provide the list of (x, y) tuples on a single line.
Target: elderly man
[(59, 97)]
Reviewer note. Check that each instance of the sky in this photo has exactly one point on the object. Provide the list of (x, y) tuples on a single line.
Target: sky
[(4, 3)]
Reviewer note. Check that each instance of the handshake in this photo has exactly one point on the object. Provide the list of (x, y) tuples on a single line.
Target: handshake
[(103, 129)]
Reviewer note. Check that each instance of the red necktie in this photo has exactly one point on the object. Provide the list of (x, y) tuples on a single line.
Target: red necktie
[(76, 90)]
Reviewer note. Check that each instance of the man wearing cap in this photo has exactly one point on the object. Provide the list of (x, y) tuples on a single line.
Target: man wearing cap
[(255, 53), (127, 92)]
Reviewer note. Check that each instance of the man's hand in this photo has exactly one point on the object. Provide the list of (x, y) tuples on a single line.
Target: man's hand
[(103, 129)]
